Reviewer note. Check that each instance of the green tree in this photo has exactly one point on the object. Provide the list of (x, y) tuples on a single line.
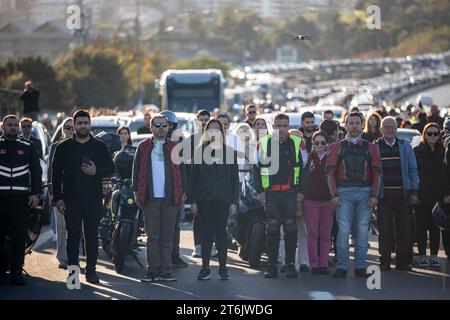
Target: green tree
[(202, 62), (95, 76), (55, 93)]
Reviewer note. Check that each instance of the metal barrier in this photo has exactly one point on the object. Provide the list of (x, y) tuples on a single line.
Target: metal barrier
[(10, 102)]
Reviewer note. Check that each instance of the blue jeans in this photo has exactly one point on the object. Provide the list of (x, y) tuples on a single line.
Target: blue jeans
[(353, 215)]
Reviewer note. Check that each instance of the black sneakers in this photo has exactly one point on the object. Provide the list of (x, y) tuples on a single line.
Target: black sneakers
[(271, 272), (204, 274), (361, 273), (290, 271), (91, 277), (304, 268), (340, 273), (149, 277), (324, 270), (18, 280), (223, 274), (166, 277)]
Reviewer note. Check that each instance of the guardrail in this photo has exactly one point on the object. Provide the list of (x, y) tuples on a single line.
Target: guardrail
[(9, 101), (417, 89)]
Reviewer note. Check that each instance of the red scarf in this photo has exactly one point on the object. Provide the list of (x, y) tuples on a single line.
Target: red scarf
[(145, 150)]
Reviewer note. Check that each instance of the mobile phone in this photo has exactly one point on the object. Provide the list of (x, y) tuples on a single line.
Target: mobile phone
[(86, 160)]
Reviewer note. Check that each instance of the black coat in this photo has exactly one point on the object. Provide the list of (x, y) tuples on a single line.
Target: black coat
[(30, 100), (430, 165), (68, 181), (214, 182)]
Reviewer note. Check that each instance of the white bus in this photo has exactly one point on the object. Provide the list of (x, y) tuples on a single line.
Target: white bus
[(191, 90)]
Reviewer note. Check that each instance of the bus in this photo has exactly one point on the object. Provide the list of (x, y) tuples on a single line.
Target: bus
[(191, 90)]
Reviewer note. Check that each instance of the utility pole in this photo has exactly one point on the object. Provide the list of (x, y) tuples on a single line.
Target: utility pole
[(139, 94), (80, 35)]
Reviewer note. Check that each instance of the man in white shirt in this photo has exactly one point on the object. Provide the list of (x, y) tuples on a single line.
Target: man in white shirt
[(159, 185)]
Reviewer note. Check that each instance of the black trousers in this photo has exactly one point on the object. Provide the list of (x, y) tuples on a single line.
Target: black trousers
[(84, 213), (13, 223), (197, 229), (401, 240), (176, 236), (281, 209), (214, 218), (424, 224)]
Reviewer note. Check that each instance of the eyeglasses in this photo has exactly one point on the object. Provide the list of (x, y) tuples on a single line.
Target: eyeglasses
[(251, 112), (68, 128), (160, 125), (26, 127), (433, 133), (322, 143)]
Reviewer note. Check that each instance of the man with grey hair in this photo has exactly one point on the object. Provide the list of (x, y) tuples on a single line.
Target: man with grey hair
[(400, 183)]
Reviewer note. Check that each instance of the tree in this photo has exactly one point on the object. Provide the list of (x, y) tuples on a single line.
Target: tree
[(202, 62), (95, 76), (54, 91)]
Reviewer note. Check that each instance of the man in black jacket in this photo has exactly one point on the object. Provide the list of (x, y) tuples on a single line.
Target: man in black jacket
[(20, 184), (78, 167), (30, 98)]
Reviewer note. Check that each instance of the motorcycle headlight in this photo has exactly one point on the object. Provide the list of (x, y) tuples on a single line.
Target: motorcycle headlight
[(130, 201)]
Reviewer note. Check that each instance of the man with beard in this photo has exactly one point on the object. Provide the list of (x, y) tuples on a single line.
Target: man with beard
[(79, 165), (18, 192), (308, 128)]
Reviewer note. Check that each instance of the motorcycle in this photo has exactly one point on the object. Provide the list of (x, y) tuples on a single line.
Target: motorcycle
[(249, 229), (122, 224)]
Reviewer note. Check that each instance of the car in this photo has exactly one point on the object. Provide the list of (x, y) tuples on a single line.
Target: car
[(337, 110), (409, 135), (106, 124), (138, 138), (425, 99)]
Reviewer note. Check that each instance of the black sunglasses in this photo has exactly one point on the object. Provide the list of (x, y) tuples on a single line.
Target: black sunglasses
[(160, 125), (435, 133), (26, 127), (252, 112), (68, 128), (316, 143)]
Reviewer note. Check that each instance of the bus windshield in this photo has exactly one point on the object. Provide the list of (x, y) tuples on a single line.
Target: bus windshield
[(190, 98)]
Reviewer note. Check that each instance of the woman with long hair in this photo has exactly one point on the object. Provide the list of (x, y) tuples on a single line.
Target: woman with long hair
[(67, 130), (214, 193), (260, 128), (372, 130), (430, 165), (317, 207), (125, 136)]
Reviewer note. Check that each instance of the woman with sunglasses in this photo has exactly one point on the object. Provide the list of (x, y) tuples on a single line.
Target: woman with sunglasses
[(61, 231), (214, 193), (430, 164), (317, 207)]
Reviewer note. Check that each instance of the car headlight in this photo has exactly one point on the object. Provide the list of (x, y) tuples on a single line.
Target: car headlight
[(130, 201)]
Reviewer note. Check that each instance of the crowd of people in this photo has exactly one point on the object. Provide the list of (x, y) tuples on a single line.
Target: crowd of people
[(319, 187)]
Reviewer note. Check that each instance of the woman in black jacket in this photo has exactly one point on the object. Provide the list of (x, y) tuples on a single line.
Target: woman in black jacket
[(214, 193), (430, 165)]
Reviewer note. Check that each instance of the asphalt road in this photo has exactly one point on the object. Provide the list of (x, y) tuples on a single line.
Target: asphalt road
[(46, 281)]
